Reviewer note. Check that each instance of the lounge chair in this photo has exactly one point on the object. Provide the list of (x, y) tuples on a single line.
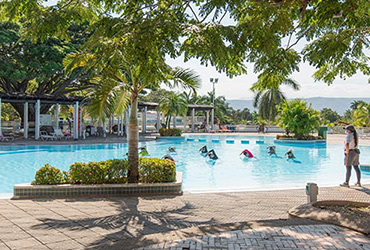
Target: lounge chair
[(44, 136), (6, 138), (58, 134)]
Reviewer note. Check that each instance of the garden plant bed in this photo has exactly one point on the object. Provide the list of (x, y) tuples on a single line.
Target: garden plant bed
[(28, 191), (353, 215)]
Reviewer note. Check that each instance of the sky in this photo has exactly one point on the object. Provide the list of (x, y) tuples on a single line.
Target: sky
[(239, 87)]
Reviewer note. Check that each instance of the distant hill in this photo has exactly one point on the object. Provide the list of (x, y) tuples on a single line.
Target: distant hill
[(337, 104)]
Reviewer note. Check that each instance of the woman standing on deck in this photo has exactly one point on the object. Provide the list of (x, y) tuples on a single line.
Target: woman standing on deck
[(351, 155)]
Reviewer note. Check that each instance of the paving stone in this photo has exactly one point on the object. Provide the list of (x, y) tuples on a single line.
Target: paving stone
[(28, 243), (65, 245), (255, 239)]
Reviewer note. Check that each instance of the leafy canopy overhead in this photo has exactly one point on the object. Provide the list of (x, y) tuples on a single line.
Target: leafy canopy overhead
[(263, 32)]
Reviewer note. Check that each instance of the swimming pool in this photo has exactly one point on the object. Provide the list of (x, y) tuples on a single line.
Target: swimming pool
[(321, 164)]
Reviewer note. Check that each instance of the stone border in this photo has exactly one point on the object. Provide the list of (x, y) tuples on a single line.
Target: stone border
[(314, 212), (28, 191), (167, 138), (293, 141)]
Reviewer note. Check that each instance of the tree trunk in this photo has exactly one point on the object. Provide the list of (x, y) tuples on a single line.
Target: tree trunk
[(133, 136)]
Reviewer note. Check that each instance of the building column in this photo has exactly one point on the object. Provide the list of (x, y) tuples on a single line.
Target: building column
[(25, 120), (118, 125), (80, 121), (1, 132), (143, 120), (127, 120), (159, 125), (212, 118), (122, 124), (37, 119), (192, 120), (207, 117), (56, 115), (104, 130), (174, 121), (75, 122)]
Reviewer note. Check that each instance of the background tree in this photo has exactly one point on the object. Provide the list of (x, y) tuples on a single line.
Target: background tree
[(356, 103), (329, 115), (347, 117), (298, 117), (361, 115), (37, 68), (267, 100)]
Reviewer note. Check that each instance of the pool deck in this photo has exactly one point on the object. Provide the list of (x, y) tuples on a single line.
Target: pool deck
[(197, 220), (227, 220)]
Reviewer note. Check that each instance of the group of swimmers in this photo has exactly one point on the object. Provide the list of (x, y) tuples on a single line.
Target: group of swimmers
[(213, 156), (271, 151)]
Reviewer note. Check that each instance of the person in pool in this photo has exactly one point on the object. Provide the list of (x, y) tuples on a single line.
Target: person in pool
[(172, 149), (203, 149), (143, 151), (168, 157), (212, 155), (290, 154), (272, 150), (247, 153)]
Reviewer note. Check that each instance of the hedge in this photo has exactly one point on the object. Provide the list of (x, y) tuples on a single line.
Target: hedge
[(151, 170), (170, 132)]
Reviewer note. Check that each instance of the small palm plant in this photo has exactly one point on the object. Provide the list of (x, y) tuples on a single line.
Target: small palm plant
[(173, 105)]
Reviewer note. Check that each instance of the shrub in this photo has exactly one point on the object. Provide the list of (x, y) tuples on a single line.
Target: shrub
[(117, 171), (299, 118), (170, 132), (48, 175), (156, 170), (151, 170)]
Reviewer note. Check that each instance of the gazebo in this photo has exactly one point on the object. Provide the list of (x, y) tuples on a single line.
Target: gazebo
[(145, 106), (37, 100)]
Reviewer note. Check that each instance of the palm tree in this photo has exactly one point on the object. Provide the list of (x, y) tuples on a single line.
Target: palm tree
[(361, 115), (267, 100), (117, 90), (173, 105), (355, 104)]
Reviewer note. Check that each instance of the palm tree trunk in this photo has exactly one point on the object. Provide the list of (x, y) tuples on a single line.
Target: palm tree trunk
[(133, 138)]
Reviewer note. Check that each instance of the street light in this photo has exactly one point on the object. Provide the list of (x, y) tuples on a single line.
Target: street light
[(213, 81)]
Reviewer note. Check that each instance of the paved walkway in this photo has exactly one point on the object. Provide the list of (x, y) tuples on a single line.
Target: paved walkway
[(126, 223)]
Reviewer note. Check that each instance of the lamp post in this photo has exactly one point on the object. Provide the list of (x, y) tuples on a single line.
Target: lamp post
[(213, 81)]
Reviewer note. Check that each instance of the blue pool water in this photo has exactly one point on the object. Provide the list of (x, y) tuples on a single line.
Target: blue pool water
[(320, 164)]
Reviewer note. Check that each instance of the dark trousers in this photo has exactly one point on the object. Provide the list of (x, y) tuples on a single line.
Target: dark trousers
[(349, 170)]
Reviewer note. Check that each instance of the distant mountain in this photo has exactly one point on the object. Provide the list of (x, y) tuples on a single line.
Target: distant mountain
[(337, 104)]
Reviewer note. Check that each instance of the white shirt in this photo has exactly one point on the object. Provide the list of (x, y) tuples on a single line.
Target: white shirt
[(350, 139)]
